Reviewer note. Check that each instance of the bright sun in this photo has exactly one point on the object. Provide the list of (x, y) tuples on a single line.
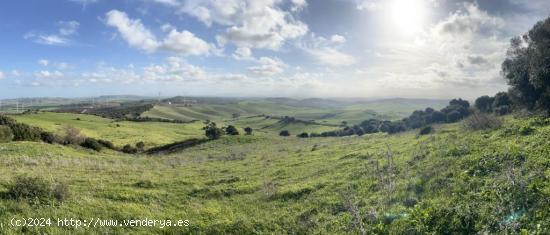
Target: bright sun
[(408, 16)]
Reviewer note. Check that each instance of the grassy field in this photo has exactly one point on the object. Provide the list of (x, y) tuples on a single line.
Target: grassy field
[(120, 133), (385, 184)]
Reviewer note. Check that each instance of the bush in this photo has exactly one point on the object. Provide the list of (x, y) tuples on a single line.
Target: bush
[(482, 121), (248, 130), (24, 132), (303, 135), (426, 130), (503, 110), (284, 133), (144, 184), (129, 149), (72, 135), (5, 134), (453, 116), (49, 138), (26, 187), (231, 130), (107, 144), (212, 132), (92, 143), (140, 146)]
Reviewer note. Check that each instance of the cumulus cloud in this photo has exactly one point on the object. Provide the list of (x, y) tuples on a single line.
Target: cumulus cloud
[(267, 67), (249, 23), (338, 38), (45, 74), (175, 69), (138, 36), (2, 75)]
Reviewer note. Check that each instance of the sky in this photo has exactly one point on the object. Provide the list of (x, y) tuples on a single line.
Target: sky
[(263, 48)]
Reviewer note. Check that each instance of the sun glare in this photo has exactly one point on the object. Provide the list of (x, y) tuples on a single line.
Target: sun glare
[(408, 16)]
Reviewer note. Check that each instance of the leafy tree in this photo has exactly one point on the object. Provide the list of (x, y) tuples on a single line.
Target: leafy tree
[(526, 67), (454, 116), (484, 103), (303, 135), (140, 146), (284, 133), (248, 130), (231, 130), (212, 131)]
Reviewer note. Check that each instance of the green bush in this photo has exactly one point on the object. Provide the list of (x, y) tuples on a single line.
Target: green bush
[(248, 130), (303, 135), (49, 138), (140, 146), (482, 121), (107, 144), (92, 143), (5, 134), (36, 188), (231, 130), (284, 133), (129, 149), (426, 130), (212, 132)]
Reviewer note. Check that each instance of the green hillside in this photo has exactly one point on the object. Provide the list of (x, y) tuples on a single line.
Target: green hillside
[(385, 184)]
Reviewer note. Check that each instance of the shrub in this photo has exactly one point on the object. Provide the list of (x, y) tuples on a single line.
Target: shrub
[(144, 184), (140, 146), (248, 130), (24, 132), (503, 110), (231, 130), (92, 143), (303, 135), (481, 121), (284, 133), (107, 144), (27, 187), (426, 130), (72, 135), (453, 116), (5, 134), (212, 132), (129, 149), (49, 137)]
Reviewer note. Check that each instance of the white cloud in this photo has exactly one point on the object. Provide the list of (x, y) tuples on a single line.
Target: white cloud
[(133, 31), (43, 62), (52, 39), (242, 53), (2, 76), (249, 23), (369, 5), (67, 28), (337, 38), (185, 43), (15, 73), (267, 67), (332, 57), (45, 74), (138, 36), (175, 69)]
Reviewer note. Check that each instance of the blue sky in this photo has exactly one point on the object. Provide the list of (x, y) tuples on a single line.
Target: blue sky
[(296, 48)]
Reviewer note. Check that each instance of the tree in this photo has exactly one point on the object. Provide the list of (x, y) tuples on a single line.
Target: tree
[(284, 133), (129, 149), (231, 130), (212, 132), (248, 130), (484, 103), (303, 135), (140, 146), (72, 135), (453, 116), (92, 143), (526, 68)]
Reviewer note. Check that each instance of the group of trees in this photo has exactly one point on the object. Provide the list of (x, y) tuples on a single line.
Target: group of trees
[(212, 131), (500, 104)]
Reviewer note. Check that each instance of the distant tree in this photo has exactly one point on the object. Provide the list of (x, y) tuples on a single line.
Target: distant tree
[(284, 133), (212, 131), (437, 117), (526, 68), (303, 135), (231, 130), (236, 115), (484, 103), (344, 123), (453, 116), (501, 99), (248, 130), (425, 130), (460, 102)]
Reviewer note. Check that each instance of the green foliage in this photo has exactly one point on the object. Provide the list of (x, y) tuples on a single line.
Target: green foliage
[(231, 130), (248, 130), (107, 144), (92, 143), (482, 121), (426, 130), (36, 188), (129, 149), (484, 103), (140, 146), (526, 67), (212, 131), (5, 134), (284, 133), (303, 135)]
